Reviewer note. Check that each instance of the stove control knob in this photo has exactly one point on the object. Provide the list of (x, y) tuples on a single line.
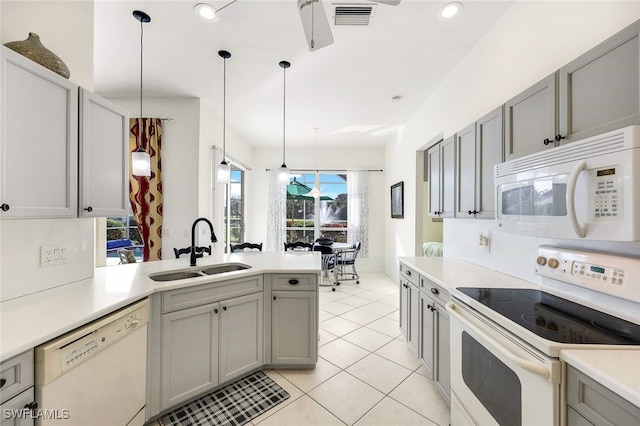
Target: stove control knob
[(541, 260), (553, 263)]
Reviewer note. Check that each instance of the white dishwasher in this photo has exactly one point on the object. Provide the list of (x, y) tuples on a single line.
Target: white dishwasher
[(95, 375)]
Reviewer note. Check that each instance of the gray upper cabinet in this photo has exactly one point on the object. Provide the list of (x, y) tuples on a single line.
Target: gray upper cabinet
[(530, 119), (466, 149), (448, 187), (104, 158), (433, 165), (600, 90), (489, 145)]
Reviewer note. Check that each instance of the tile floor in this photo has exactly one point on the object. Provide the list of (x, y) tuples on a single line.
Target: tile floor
[(366, 373)]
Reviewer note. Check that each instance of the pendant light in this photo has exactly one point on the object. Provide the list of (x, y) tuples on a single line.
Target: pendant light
[(283, 171), (140, 160), (315, 192), (224, 170)]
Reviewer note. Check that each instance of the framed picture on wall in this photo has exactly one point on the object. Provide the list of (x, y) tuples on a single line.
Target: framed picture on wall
[(397, 200)]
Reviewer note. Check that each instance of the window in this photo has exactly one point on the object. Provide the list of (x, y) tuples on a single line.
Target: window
[(123, 232), (233, 209), (309, 219)]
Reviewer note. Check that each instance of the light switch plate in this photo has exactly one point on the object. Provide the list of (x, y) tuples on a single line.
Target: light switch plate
[(54, 254)]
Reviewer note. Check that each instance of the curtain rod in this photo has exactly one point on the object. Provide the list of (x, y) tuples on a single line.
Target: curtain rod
[(332, 170), (232, 159)]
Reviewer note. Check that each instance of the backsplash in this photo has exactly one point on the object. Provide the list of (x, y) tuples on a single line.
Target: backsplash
[(20, 242), (513, 254)]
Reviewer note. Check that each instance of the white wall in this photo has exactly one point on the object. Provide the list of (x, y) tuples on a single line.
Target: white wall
[(343, 158), (531, 40)]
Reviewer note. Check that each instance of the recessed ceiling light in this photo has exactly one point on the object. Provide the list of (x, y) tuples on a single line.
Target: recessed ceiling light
[(450, 10), (205, 11)]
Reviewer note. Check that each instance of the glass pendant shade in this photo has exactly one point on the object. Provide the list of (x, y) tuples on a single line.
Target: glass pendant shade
[(283, 174), (224, 173), (140, 163)]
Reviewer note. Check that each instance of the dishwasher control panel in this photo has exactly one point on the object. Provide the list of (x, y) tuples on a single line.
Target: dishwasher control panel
[(61, 354)]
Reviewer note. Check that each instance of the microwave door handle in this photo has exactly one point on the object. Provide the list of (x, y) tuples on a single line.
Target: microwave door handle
[(532, 367), (581, 231)]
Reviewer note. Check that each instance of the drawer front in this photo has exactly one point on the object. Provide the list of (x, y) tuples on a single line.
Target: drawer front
[(293, 281), (183, 298), (436, 291), (598, 404), (16, 375), (409, 274)]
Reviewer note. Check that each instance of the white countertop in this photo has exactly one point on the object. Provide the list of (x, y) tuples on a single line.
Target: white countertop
[(28, 321), (618, 371)]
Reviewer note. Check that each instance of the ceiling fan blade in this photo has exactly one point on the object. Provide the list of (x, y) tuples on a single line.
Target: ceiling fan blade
[(315, 24), (389, 2)]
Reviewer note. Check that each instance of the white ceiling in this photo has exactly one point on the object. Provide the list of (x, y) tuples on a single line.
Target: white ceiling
[(344, 89)]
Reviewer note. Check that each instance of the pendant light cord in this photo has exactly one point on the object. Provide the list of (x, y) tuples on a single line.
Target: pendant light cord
[(141, 119), (284, 112), (224, 109)]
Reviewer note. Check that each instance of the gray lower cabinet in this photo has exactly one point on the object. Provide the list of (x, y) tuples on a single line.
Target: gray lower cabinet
[(16, 390), (600, 90), (294, 328), (434, 332), (591, 403), (410, 312), (530, 119)]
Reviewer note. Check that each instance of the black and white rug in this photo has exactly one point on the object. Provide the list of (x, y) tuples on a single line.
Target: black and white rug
[(233, 405)]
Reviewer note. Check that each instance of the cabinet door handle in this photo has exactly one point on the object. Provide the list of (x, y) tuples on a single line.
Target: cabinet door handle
[(434, 291), (293, 282), (433, 308), (4, 207), (429, 307), (31, 406), (559, 137), (224, 308), (274, 298), (547, 141), (89, 209), (2, 382), (215, 311), (473, 212), (408, 273)]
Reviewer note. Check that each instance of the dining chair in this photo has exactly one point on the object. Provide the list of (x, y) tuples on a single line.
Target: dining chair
[(298, 246), (126, 256), (237, 248), (347, 259), (327, 267), (200, 251)]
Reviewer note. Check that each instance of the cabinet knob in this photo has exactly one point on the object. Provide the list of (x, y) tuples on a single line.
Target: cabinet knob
[(547, 141), (89, 209), (293, 282), (433, 308), (559, 137), (429, 306), (274, 298), (2, 382), (473, 212), (31, 406), (215, 311), (408, 273), (434, 291), (224, 308), (4, 207)]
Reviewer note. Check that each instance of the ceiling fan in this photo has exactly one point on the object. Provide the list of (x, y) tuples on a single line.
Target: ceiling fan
[(316, 25)]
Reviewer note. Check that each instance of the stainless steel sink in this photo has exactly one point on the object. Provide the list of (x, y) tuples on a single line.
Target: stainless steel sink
[(219, 269), (198, 272)]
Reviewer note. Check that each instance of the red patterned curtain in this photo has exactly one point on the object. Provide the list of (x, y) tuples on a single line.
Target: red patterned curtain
[(146, 192)]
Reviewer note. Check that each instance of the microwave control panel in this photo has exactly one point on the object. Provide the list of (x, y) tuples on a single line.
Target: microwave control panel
[(606, 199), (602, 272)]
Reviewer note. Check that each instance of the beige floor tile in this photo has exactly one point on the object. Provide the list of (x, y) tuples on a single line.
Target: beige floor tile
[(360, 316), (293, 391), (379, 372), (324, 315), (423, 371), (386, 326), (338, 326), (367, 338), (308, 379), (372, 295), (336, 307), (379, 308), (400, 353), (391, 300), (394, 316), (303, 411), (342, 353), (391, 413), (325, 337), (346, 397), (356, 301), (418, 393)]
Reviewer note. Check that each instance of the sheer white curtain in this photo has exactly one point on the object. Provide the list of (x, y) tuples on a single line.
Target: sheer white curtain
[(276, 218), (358, 216)]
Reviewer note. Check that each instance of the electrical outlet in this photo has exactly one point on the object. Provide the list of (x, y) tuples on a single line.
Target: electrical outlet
[(54, 254)]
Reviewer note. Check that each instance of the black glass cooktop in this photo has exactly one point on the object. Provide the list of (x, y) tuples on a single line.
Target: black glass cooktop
[(555, 318)]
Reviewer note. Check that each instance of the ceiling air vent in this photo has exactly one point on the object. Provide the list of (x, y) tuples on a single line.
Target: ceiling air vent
[(353, 14)]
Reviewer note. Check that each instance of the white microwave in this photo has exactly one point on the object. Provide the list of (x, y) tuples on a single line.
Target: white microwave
[(587, 189)]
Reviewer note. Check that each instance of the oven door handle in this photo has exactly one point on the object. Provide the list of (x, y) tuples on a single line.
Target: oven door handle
[(529, 366), (581, 231)]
